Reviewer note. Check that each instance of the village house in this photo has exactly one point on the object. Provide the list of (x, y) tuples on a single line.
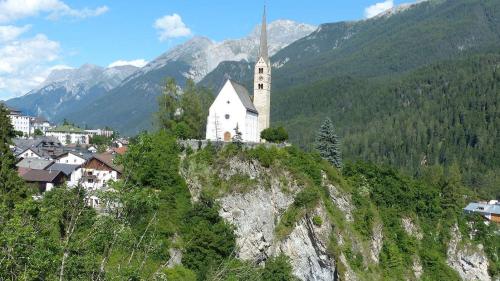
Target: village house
[(44, 180), (39, 123), (20, 122), (72, 172), (99, 170), (40, 147), (68, 134), (489, 210), (72, 157), (27, 164), (233, 111), (121, 142), (100, 132)]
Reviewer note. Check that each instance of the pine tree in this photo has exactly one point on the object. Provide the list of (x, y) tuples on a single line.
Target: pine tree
[(11, 186), (327, 143), (168, 104), (237, 138)]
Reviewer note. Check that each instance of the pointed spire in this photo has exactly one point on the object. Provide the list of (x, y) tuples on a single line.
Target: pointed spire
[(263, 38)]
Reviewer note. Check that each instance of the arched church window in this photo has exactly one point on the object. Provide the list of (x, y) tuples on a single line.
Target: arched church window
[(227, 116), (261, 70), (261, 86)]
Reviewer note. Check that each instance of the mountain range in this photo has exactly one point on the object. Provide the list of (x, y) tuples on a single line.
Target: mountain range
[(67, 89), (118, 96)]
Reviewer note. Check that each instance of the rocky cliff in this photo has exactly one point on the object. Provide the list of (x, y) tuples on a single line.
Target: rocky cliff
[(322, 241)]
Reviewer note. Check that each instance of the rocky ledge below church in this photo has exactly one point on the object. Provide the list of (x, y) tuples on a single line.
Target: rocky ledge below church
[(310, 215)]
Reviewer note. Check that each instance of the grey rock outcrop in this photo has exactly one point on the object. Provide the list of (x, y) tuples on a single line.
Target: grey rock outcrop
[(468, 260), (307, 248), (411, 229), (255, 215), (376, 242)]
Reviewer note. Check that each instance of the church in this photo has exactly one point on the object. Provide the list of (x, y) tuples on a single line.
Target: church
[(233, 108)]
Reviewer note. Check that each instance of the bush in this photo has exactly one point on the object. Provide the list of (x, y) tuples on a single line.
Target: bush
[(278, 269), (209, 240), (317, 221), (179, 273), (275, 135)]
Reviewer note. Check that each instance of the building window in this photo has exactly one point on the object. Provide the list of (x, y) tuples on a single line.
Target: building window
[(261, 86), (261, 70), (227, 116)]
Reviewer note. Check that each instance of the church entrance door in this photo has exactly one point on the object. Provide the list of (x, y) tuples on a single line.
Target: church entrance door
[(227, 136)]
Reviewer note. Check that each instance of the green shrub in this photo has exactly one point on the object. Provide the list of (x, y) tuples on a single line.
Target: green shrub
[(209, 240), (274, 134), (179, 273), (317, 221), (278, 269)]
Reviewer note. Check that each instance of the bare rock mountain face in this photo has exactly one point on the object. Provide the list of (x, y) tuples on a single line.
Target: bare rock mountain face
[(204, 55), (65, 90)]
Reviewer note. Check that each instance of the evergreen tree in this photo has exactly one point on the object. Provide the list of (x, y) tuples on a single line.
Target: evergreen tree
[(327, 143), (184, 114), (11, 186), (237, 138), (168, 103)]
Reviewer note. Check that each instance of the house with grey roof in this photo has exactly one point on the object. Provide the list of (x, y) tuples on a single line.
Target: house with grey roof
[(72, 172), (489, 210), (44, 180), (34, 163), (40, 147)]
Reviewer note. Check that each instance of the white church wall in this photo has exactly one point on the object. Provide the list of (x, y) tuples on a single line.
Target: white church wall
[(251, 130), (226, 111)]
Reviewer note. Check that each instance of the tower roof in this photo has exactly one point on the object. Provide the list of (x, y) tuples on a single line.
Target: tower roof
[(263, 38)]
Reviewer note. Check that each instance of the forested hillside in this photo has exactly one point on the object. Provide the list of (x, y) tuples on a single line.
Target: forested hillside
[(439, 115)]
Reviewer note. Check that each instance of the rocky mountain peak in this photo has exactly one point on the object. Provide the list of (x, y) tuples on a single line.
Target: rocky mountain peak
[(204, 54)]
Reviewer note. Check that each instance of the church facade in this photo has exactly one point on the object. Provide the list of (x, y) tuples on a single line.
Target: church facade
[(233, 108)]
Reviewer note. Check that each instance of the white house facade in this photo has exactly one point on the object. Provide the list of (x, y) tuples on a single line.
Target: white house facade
[(69, 135), (29, 153), (97, 172), (40, 124), (70, 158), (21, 123)]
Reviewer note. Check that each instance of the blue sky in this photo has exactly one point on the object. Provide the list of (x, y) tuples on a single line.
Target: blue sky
[(47, 34)]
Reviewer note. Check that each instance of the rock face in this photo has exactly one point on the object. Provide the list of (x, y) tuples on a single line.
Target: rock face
[(256, 213), (306, 246), (468, 260), (376, 243), (411, 229)]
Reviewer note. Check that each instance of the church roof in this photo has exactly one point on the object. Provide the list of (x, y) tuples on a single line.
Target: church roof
[(244, 96)]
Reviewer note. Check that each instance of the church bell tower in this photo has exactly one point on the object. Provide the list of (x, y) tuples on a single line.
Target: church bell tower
[(262, 81)]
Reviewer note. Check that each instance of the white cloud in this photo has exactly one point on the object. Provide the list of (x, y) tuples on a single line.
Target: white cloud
[(378, 8), (11, 10), (136, 63), (24, 64), (10, 32), (171, 26)]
